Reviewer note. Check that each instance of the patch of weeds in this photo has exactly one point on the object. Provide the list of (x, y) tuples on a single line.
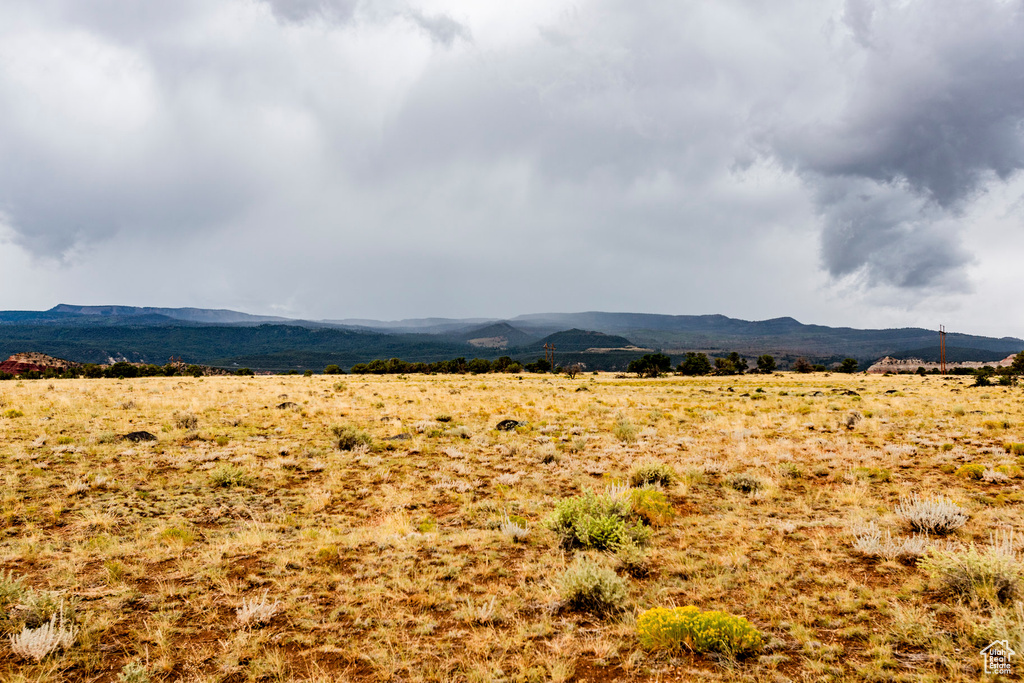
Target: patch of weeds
[(133, 672), (1015, 448), (227, 475), (688, 628), (875, 474), (652, 472), (350, 438), (971, 470), (186, 421), (587, 586), (791, 470), (745, 483), (13, 413), (992, 574), (652, 506), (624, 430)]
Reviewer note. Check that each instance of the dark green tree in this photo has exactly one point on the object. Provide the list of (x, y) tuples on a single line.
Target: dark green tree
[(650, 365), (332, 370), (695, 364), (802, 365), (765, 364), (849, 365), (1017, 366)]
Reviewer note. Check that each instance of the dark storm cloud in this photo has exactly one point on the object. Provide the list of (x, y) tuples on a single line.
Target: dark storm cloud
[(933, 111)]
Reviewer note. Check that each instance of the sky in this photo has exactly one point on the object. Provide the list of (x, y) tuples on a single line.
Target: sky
[(850, 163)]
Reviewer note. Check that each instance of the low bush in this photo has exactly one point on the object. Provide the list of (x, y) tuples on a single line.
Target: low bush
[(1015, 448), (746, 483), (593, 521), (651, 472), (652, 507), (873, 543), (971, 470), (624, 430), (938, 515), (993, 573), (350, 438), (186, 421), (227, 475), (587, 586), (687, 627)]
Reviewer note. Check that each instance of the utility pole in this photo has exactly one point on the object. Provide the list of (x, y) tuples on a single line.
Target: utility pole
[(549, 355), (942, 349)]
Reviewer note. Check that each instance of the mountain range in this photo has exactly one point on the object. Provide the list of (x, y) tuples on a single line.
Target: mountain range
[(606, 341)]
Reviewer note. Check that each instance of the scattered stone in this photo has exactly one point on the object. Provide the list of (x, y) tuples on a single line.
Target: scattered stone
[(287, 404), (507, 425), (136, 437), (404, 436)]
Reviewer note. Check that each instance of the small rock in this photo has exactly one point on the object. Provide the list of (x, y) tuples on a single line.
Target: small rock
[(287, 404), (507, 425), (404, 436)]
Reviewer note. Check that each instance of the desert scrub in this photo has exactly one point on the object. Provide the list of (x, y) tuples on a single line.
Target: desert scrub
[(871, 542), (938, 515), (745, 483), (677, 628), (1015, 448), (652, 472), (350, 438), (992, 573), (37, 643), (514, 527), (593, 521), (587, 586), (878, 474), (227, 475), (186, 421), (971, 470), (651, 506), (624, 430)]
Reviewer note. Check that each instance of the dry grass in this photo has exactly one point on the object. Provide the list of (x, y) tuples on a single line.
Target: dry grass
[(397, 559)]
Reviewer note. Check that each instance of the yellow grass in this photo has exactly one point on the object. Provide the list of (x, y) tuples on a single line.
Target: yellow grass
[(389, 562)]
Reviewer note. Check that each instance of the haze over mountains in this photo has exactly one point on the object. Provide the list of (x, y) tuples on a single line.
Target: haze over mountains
[(600, 340)]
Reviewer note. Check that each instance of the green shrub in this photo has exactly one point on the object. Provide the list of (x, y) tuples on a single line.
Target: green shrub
[(593, 521), (13, 413), (651, 472), (1015, 448), (879, 474), (688, 627), (971, 470), (624, 430), (587, 586), (993, 573), (651, 506), (349, 437), (227, 475)]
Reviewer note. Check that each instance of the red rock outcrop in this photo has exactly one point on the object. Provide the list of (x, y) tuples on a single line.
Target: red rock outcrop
[(24, 362)]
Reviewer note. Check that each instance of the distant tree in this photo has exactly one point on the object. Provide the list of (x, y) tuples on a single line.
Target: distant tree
[(573, 370), (539, 365), (332, 370), (802, 365), (765, 364), (247, 372), (501, 364), (1017, 366), (921, 371), (983, 377), (479, 366), (694, 364), (849, 365), (818, 367), (733, 364), (650, 365)]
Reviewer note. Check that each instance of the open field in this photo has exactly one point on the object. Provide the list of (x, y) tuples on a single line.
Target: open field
[(389, 561)]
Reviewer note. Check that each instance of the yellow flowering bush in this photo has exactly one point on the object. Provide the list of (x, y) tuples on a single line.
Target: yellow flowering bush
[(712, 631), (652, 506), (971, 471)]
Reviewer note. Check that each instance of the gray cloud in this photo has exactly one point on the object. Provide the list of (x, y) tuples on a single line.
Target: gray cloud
[(860, 134), (932, 111)]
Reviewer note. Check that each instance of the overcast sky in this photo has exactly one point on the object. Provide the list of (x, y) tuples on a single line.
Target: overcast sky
[(850, 163)]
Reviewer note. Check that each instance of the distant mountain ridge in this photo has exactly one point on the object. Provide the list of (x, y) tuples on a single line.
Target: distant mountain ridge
[(599, 340)]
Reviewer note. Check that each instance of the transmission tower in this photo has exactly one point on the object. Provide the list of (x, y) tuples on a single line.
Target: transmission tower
[(942, 349)]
